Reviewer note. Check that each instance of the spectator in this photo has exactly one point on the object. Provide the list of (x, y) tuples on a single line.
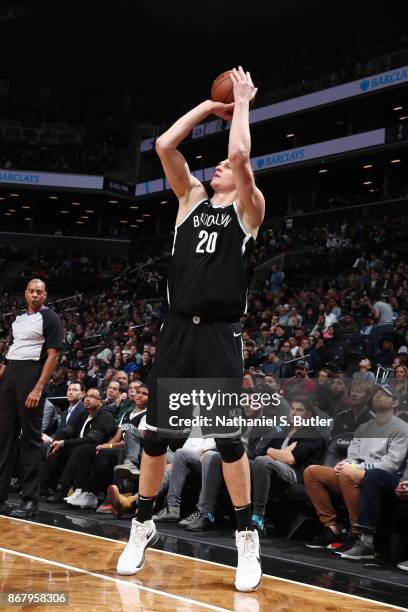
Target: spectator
[(347, 326), (366, 451), (278, 463), (383, 324), (123, 448), (277, 279), (123, 379), (340, 392), (323, 392), (399, 385), (272, 364), (364, 374), (378, 487), (128, 466), (76, 448), (105, 354), (114, 398), (386, 357), (359, 413), (108, 376), (75, 394), (301, 384), (187, 459)]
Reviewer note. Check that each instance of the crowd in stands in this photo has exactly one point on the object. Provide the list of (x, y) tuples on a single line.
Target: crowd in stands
[(277, 82), (92, 156), (333, 346), (322, 70)]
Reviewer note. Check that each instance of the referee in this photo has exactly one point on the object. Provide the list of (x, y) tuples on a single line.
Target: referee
[(31, 359)]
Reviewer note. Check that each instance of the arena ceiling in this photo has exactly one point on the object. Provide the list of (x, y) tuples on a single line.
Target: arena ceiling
[(160, 44)]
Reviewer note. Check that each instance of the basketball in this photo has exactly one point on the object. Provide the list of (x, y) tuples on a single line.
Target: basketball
[(222, 89)]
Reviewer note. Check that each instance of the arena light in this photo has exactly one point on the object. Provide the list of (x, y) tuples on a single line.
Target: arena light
[(371, 190), (7, 214), (163, 202), (27, 218), (89, 211), (113, 201), (134, 207), (15, 195), (84, 217), (323, 171), (12, 210), (133, 225), (199, 157), (291, 135), (139, 220), (147, 215), (26, 206), (368, 183), (64, 212), (403, 117), (123, 221), (80, 222), (368, 166), (76, 203), (2, 199), (395, 161), (397, 108), (53, 197)]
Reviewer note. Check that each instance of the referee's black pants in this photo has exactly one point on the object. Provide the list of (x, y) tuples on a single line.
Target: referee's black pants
[(19, 379)]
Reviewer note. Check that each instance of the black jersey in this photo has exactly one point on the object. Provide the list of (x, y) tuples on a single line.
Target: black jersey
[(207, 274)]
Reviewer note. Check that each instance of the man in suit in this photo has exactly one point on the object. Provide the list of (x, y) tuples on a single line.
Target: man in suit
[(75, 394)]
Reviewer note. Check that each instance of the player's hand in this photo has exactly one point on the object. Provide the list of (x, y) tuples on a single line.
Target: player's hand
[(33, 398), (292, 446), (224, 111), (244, 89)]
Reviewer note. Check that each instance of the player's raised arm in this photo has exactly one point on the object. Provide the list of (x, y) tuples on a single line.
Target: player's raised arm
[(250, 199), (186, 187)]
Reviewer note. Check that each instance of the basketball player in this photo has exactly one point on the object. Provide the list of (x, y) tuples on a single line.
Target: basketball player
[(201, 336)]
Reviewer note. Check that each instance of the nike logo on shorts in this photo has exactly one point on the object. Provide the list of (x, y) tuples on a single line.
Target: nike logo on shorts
[(236, 335)]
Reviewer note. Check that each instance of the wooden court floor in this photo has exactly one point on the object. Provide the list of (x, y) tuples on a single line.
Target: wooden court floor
[(38, 558)]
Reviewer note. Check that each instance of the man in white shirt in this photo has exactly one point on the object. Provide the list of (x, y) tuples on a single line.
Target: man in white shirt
[(105, 353)]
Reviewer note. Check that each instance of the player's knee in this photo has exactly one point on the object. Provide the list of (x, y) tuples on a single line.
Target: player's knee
[(154, 446), (230, 449)]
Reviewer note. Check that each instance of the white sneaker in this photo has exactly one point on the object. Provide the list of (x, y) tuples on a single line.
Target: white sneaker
[(74, 495), (89, 500), (142, 535), (249, 571), (85, 500)]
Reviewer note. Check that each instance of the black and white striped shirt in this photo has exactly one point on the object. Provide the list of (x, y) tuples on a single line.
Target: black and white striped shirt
[(33, 334)]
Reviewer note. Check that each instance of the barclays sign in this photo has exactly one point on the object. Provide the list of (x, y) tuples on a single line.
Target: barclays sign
[(50, 179), (279, 159), (395, 77), (22, 178)]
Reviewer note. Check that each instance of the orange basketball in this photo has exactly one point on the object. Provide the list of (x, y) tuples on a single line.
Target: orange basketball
[(222, 89)]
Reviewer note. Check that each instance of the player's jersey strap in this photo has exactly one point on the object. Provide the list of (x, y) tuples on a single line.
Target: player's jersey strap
[(207, 274)]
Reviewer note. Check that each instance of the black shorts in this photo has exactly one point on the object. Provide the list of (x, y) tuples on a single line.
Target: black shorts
[(191, 351)]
